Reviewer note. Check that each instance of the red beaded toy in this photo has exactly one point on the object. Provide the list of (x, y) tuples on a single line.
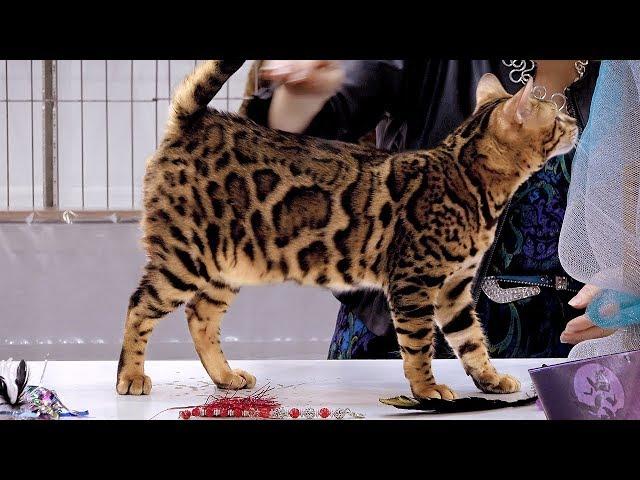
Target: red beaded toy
[(258, 405)]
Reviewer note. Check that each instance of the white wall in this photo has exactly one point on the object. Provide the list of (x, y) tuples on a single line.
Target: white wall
[(64, 291)]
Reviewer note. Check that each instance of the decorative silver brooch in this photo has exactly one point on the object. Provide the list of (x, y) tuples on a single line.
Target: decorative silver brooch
[(495, 292)]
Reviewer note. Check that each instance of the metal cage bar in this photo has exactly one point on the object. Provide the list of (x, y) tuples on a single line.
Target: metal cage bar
[(49, 132), (51, 207), (6, 110)]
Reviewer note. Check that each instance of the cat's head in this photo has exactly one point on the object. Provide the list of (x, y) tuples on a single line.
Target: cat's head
[(533, 130)]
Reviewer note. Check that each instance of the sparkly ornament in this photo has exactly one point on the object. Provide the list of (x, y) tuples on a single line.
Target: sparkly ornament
[(279, 413), (339, 413), (20, 401), (496, 293), (309, 413)]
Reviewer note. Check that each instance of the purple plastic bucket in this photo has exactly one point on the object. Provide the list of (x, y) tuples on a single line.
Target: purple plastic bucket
[(599, 388)]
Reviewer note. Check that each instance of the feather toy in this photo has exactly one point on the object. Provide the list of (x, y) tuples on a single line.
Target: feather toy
[(13, 381)]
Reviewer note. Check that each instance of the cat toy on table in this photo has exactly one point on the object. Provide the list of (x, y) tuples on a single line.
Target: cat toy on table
[(257, 405), (18, 400), (459, 405), (463, 403)]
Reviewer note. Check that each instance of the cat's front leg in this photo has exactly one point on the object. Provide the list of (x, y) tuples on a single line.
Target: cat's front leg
[(412, 312), (459, 323)]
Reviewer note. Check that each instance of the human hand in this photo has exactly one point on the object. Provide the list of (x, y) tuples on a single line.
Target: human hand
[(319, 78), (582, 328)]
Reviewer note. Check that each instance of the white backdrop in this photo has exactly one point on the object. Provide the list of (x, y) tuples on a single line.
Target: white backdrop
[(64, 291)]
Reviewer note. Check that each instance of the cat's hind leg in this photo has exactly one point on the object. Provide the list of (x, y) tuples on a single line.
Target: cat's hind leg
[(459, 322), (204, 316), (412, 312), (159, 293)]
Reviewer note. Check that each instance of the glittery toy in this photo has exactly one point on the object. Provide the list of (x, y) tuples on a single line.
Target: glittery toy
[(21, 401)]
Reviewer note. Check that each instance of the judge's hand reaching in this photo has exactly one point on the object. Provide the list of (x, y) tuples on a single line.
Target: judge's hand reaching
[(582, 328), (305, 77)]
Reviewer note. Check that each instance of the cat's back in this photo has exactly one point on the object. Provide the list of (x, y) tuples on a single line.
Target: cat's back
[(296, 157)]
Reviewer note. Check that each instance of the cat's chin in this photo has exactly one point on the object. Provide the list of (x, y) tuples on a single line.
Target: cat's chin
[(564, 148), (561, 151)]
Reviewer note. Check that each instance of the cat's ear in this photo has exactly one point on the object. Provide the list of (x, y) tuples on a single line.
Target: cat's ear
[(518, 108), (489, 88)]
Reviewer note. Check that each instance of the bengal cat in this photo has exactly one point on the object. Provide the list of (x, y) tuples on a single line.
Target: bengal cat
[(229, 203)]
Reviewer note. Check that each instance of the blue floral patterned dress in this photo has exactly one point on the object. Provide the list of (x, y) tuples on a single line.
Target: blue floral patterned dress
[(529, 246)]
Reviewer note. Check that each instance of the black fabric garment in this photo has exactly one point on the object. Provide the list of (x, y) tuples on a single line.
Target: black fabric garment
[(414, 104)]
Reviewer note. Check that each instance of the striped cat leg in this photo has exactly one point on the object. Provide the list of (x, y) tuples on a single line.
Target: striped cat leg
[(204, 315), (459, 323), (412, 313), (159, 293)]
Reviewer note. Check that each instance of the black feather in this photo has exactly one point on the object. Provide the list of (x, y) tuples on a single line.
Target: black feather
[(22, 377), (4, 394), (21, 380), (465, 404)]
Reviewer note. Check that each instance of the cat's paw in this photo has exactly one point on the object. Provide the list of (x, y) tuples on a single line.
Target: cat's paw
[(133, 385), (498, 383), (433, 391), (236, 380)]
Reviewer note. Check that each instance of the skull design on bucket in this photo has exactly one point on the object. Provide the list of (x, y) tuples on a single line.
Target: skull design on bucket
[(598, 390)]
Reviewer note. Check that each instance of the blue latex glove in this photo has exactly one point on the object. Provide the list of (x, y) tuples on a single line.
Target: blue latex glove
[(611, 309), (606, 311)]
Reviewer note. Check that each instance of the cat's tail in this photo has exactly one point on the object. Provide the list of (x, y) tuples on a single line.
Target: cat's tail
[(199, 88)]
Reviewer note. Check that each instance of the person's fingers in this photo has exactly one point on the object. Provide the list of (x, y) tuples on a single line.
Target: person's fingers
[(326, 79), (324, 63), (272, 64), (273, 75), (305, 76), (574, 338), (301, 75), (579, 323), (333, 76), (584, 296), (280, 70), (316, 70)]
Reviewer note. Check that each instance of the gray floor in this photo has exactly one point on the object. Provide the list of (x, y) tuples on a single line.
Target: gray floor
[(64, 291)]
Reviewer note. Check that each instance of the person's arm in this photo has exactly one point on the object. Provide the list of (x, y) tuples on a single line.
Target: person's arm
[(333, 100), (303, 87)]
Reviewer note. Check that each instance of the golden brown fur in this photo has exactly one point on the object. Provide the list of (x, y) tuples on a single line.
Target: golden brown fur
[(230, 203)]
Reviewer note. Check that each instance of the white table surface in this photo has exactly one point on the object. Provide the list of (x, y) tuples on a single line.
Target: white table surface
[(354, 384)]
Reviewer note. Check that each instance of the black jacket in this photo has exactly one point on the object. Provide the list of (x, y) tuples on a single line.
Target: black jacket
[(415, 104)]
